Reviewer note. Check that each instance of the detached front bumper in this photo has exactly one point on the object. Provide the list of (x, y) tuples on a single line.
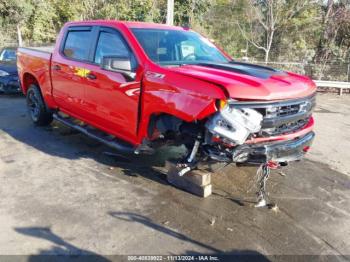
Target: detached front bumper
[(10, 84), (281, 151)]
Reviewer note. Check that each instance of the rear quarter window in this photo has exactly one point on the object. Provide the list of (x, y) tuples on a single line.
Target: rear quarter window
[(77, 45)]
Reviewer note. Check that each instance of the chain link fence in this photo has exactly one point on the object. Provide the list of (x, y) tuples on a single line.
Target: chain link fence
[(331, 71), (8, 44)]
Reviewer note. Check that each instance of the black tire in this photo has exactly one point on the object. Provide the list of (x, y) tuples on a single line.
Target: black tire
[(37, 108)]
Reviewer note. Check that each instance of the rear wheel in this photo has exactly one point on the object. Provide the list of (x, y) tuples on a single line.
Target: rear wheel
[(36, 107)]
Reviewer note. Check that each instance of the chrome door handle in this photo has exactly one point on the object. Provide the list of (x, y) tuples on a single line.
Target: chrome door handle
[(91, 76), (56, 67)]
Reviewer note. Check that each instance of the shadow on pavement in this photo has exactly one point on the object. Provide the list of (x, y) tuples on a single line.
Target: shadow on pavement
[(64, 251), (132, 217), (61, 251), (224, 255), (64, 142)]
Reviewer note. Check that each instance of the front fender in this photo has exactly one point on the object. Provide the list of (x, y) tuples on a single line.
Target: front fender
[(184, 97)]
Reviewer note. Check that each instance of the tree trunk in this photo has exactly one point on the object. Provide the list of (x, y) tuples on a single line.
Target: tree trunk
[(267, 53), (269, 44), (19, 36)]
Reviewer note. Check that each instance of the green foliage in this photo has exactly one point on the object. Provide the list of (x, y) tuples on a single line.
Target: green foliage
[(12, 13), (299, 35), (301, 32), (41, 25), (221, 25)]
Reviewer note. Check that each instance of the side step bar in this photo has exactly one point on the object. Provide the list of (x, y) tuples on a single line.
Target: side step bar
[(114, 143)]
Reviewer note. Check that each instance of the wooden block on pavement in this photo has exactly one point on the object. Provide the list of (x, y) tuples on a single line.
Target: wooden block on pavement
[(197, 182)]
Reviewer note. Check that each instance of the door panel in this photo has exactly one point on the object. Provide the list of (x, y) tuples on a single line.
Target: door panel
[(68, 66), (113, 102), (109, 97)]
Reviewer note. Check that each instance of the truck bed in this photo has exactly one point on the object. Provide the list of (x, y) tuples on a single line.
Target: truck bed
[(37, 64), (46, 49)]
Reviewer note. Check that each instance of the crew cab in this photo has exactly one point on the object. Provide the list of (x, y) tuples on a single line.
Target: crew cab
[(136, 86)]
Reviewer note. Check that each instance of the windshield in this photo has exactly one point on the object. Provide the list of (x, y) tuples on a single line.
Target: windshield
[(8, 55), (175, 47)]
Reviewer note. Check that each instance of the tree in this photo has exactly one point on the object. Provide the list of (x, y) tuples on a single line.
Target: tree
[(190, 12), (136, 10), (220, 24), (298, 30), (333, 41), (13, 15), (41, 26), (335, 33), (263, 18)]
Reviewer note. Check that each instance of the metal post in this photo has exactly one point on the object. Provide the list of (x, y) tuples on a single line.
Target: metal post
[(349, 71), (170, 13)]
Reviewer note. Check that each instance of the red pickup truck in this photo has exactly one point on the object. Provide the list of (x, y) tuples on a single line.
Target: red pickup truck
[(136, 86)]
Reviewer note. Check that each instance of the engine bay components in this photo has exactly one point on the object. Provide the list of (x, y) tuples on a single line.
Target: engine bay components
[(235, 124)]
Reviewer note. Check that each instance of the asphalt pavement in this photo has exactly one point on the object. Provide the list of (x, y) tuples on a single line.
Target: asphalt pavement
[(62, 194)]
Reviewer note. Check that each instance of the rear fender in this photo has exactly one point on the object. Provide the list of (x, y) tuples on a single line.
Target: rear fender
[(28, 80), (34, 68), (45, 90)]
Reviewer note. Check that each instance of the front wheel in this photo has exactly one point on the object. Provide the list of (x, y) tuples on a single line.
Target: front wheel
[(36, 107)]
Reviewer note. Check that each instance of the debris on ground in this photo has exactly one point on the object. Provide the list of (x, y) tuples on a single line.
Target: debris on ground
[(212, 221), (281, 173), (274, 208), (263, 174)]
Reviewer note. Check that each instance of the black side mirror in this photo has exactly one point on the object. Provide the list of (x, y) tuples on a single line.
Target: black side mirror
[(120, 64)]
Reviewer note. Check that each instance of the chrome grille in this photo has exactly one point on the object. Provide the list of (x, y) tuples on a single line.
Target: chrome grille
[(281, 117), (284, 128)]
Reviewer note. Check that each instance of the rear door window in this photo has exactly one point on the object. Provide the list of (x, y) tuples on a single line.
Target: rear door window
[(77, 45)]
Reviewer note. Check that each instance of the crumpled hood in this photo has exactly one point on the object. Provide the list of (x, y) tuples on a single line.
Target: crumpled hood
[(9, 67), (245, 81)]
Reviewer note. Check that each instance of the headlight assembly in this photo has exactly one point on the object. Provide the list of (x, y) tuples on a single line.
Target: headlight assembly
[(235, 124)]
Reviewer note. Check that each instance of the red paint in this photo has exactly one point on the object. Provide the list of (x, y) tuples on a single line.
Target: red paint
[(124, 108), (247, 87), (272, 165), (306, 129), (306, 149)]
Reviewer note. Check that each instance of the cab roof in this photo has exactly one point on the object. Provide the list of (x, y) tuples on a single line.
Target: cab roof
[(128, 24)]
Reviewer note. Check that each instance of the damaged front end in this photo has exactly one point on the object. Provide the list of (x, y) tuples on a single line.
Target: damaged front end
[(255, 133), (267, 134)]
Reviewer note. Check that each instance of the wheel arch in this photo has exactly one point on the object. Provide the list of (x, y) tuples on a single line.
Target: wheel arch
[(28, 80), (165, 122)]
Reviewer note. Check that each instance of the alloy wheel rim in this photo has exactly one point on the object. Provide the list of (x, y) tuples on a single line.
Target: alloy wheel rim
[(34, 106)]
